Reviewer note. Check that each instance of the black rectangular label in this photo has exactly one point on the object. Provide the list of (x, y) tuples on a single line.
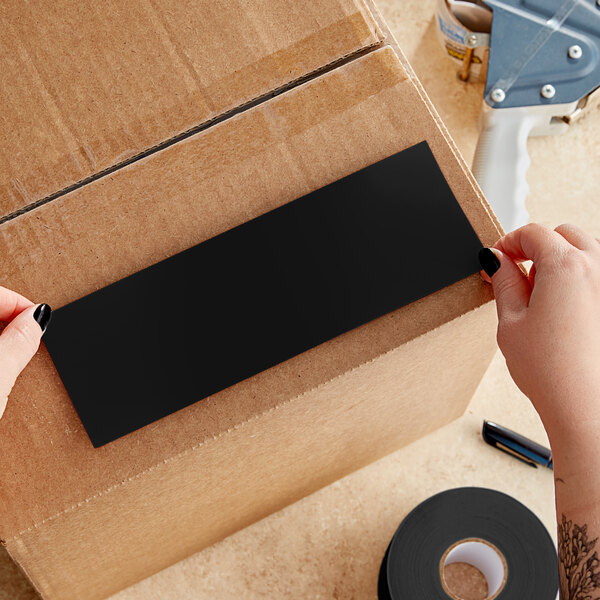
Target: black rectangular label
[(261, 293)]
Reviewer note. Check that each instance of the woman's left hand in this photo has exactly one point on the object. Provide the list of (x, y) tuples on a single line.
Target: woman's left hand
[(26, 322)]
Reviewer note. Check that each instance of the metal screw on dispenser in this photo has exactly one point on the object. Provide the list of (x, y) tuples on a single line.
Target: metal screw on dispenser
[(498, 95), (575, 52), (472, 40), (548, 91)]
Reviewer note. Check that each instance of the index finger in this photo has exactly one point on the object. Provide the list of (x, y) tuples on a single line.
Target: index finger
[(532, 242), (11, 304)]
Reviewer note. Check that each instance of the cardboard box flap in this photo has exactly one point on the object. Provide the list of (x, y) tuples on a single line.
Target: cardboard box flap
[(164, 203), (85, 87)]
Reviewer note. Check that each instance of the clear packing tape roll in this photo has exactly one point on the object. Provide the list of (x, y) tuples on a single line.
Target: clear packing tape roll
[(463, 30), (483, 528)]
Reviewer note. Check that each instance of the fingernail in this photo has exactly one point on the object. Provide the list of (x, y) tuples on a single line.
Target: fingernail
[(489, 261), (42, 315)]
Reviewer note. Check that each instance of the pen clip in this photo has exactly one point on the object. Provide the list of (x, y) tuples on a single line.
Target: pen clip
[(513, 453)]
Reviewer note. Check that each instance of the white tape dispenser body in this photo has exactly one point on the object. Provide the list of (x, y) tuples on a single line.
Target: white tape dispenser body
[(542, 72)]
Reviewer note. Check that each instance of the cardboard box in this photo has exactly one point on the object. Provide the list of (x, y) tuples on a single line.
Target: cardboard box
[(85, 522)]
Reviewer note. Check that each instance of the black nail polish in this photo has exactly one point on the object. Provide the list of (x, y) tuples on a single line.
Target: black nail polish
[(489, 261), (42, 315)]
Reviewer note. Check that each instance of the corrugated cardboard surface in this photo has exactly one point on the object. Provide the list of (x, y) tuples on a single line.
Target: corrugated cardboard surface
[(86, 86), (57, 491), (273, 153)]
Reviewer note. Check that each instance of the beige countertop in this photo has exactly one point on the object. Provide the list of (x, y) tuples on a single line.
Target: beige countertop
[(330, 544)]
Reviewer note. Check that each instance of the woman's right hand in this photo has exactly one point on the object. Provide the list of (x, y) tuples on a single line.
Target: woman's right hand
[(549, 322)]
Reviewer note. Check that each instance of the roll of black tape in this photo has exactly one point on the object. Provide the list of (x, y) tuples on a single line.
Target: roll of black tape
[(488, 529)]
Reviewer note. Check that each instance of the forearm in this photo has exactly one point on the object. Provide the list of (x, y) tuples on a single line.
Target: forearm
[(549, 333), (576, 456)]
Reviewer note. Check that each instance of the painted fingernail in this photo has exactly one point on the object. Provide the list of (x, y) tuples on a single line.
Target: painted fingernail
[(489, 261), (42, 315)]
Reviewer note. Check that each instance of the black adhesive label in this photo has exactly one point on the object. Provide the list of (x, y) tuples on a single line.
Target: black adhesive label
[(261, 293)]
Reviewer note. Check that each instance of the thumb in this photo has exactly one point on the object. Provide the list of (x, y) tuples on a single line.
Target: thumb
[(511, 287), (18, 343)]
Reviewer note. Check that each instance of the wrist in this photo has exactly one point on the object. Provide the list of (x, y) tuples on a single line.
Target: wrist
[(569, 415), (574, 446)]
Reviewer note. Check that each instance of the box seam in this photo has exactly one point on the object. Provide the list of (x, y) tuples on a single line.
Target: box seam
[(205, 125), (223, 433)]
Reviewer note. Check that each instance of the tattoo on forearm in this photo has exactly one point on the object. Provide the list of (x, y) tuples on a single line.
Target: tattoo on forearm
[(578, 563)]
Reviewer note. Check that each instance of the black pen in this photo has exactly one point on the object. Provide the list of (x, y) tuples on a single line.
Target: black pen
[(516, 445)]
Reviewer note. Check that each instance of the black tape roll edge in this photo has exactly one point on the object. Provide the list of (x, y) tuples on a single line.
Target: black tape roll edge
[(410, 569)]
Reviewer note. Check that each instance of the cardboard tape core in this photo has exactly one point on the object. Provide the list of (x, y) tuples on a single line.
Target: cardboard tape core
[(485, 558)]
